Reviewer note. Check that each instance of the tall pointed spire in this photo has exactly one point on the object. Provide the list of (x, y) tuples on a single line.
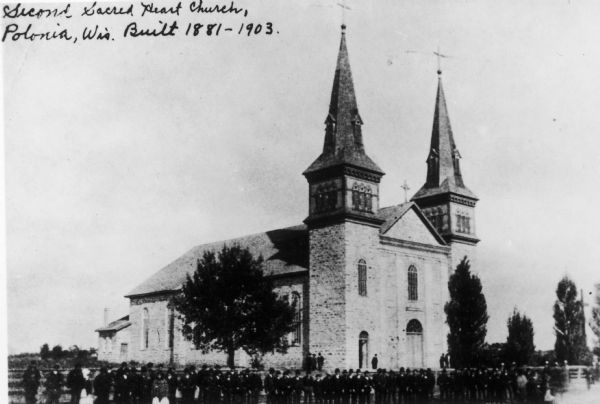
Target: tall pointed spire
[(343, 134), (443, 161)]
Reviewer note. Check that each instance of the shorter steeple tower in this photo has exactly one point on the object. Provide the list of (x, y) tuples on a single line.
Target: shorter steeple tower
[(444, 198), (343, 180)]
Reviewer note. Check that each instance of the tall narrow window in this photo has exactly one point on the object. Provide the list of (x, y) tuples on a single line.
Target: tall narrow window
[(413, 284), (297, 333), (362, 277), (145, 329), (169, 326)]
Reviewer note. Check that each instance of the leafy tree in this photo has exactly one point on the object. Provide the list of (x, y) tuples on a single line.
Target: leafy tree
[(57, 352), (491, 355), (569, 324), (519, 343), (595, 321), (227, 304), (466, 315), (45, 352)]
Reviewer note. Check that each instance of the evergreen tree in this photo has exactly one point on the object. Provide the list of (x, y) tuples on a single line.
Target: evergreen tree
[(227, 304), (569, 324), (519, 343), (466, 315)]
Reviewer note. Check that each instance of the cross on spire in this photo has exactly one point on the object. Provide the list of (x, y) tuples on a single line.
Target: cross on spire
[(439, 59), (405, 187), (344, 7)]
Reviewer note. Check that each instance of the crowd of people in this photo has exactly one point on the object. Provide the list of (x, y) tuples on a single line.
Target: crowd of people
[(128, 384)]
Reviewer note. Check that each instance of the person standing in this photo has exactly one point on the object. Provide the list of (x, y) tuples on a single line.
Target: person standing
[(145, 385), (172, 382), (270, 386), (308, 363), (374, 362), (31, 382), (160, 389), (75, 383), (54, 383), (187, 387), (134, 385), (102, 384), (122, 384), (320, 362)]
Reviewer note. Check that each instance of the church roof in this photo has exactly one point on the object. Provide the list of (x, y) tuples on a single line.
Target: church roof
[(443, 165), (116, 325), (285, 252), (343, 135)]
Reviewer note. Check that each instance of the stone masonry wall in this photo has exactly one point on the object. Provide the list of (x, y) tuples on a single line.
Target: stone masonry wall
[(327, 286), (363, 313), (158, 350)]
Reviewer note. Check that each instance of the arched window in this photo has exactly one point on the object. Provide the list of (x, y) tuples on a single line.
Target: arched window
[(362, 277), (145, 328), (297, 333), (414, 327), (169, 327), (413, 283)]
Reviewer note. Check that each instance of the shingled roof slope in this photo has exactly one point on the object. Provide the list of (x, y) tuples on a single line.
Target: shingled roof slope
[(443, 162), (285, 251), (343, 136), (116, 325), (391, 214)]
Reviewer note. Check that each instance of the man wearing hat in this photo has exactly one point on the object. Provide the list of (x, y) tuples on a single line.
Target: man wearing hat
[(31, 382), (54, 382), (102, 384)]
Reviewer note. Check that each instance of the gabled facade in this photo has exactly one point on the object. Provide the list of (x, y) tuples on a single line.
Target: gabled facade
[(367, 279)]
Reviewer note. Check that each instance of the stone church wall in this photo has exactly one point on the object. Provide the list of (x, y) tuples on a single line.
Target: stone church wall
[(183, 352), (327, 294), (363, 313)]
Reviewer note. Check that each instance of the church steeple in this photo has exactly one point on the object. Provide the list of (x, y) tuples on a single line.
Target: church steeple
[(343, 180), (445, 200), (343, 133), (443, 160)]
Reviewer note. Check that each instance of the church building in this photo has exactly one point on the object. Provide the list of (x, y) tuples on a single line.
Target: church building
[(366, 279)]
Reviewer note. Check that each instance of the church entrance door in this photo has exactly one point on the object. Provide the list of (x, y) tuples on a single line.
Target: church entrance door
[(363, 350), (414, 339)]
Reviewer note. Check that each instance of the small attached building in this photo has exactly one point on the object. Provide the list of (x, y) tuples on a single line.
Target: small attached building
[(113, 341)]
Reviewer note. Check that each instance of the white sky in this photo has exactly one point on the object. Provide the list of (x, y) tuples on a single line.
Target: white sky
[(121, 156)]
